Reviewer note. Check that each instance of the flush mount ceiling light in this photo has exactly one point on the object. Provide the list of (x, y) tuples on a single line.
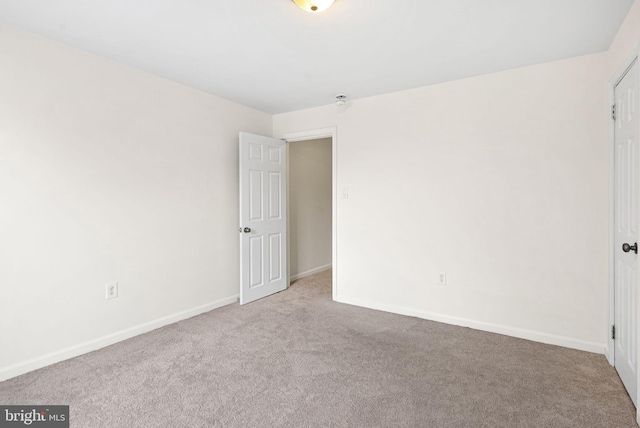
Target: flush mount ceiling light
[(314, 5)]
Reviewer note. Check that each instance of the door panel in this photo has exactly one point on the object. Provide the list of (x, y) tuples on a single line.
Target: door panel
[(275, 196), (255, 195), (275, 271), (626, 229), (262, 216), (255, 261)]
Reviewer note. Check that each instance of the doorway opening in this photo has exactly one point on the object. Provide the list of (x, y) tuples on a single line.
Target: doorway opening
[(310, 213), (311, 202)]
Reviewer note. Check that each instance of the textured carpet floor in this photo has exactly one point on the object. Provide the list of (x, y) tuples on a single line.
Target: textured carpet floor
[(298, 359)]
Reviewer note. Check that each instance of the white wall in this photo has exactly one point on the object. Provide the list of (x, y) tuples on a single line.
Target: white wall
[(309, 205), (501, 181), (627, 40), (108, 174)]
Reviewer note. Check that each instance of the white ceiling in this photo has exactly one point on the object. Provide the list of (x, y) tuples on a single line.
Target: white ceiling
[(271, 55)]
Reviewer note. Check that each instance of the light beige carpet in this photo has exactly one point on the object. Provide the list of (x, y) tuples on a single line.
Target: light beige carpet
[(298, 359)]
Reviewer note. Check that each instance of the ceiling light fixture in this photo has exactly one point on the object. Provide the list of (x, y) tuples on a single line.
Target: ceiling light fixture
[(341, 100), (314, 5)]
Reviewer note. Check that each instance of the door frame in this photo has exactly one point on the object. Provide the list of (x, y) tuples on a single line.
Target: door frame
[(316, 134), (613, 82)]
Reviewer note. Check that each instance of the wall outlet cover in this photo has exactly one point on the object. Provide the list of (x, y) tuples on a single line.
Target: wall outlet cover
[(442, 278), (112, 290)]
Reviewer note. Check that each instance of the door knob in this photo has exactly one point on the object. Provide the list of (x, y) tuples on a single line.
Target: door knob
[(247, 230), (626, 247)]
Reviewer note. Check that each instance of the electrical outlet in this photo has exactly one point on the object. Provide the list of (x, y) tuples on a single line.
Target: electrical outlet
[(345, 193), (442, 278), (112, 290)]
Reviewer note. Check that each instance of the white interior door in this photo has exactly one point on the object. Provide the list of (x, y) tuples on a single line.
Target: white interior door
[(626, 229), (263, 217)]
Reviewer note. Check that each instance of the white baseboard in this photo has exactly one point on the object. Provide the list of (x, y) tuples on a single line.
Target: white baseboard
[(310, 272), (609, 355), (551, 339), (92, 345)]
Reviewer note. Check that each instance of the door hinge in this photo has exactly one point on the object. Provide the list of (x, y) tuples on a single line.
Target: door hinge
[(613, 112), (613, 332)]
